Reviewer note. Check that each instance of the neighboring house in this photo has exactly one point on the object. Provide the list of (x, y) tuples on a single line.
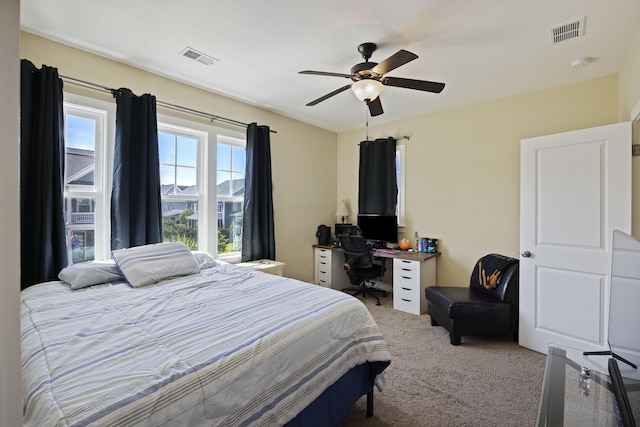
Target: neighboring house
[(227, 210), (79, 213)]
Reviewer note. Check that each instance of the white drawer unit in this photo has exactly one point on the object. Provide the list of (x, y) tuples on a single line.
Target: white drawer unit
[(410, 278), (323, 267), (329, 271)]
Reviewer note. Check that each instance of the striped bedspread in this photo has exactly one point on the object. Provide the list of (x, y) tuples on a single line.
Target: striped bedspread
[(228, 346)]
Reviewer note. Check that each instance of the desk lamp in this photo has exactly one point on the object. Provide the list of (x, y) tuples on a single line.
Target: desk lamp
[(343, 210)]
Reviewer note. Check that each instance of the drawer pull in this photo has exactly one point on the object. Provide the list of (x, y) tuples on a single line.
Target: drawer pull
[(406, 300), (406, 269), (406, 277), (324, 263), (322, 271), (407, 289)]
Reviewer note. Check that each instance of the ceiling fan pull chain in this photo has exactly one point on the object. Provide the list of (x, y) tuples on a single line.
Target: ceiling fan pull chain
[(366, 121)]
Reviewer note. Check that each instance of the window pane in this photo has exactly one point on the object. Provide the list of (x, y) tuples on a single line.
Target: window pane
[(186, 151), (180, 222), (230, 185), (223, 183), (237, 184), (80, 221), (230, 227), (167, 179), (238, 156), (166, 148), (186, 178), (80, 135), (224, 156)]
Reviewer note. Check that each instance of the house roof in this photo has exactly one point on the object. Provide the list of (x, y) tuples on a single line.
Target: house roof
[(79, 166)]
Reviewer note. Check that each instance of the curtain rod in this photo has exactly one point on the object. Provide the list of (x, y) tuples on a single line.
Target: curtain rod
[(211, 117), (396, 139)]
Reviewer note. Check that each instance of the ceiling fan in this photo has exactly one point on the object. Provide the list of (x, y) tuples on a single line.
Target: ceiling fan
[(369, 80)]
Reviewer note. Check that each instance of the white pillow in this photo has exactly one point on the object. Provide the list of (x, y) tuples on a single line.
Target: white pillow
[(204, 259), (144, 265), (90, 273)]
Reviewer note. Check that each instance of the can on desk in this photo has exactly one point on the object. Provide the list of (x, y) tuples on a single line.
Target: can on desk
[(428, 245)]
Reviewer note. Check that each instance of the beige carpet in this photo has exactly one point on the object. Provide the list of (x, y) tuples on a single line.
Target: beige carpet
[(485, 381)]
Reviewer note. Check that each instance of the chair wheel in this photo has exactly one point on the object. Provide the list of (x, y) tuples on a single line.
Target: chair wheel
[(378, 302)]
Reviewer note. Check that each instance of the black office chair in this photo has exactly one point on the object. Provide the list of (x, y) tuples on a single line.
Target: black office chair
[(360, 266)]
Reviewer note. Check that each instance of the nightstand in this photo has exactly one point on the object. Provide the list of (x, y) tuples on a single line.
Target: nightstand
[(265, 265)]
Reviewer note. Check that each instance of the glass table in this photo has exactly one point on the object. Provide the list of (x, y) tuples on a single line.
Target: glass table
[(574, 396)]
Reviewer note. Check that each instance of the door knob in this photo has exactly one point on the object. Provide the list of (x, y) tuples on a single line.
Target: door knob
[(526, 254)]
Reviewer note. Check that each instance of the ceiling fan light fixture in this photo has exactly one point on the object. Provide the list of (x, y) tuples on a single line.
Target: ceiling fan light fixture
[(367, 89)]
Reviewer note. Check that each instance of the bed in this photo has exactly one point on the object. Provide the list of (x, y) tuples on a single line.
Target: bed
[(220, 346)]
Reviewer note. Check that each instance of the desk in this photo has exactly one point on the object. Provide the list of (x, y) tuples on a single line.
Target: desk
[(565, 400), (412, 273)]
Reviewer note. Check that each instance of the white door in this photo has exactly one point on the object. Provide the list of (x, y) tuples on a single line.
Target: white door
[(575, 189)]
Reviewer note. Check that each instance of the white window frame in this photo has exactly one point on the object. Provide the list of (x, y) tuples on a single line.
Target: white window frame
[(208, 207), (201, 141), (104, 115)]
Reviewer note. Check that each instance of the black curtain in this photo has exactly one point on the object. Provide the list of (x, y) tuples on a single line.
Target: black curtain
[(136, 207), (43, 251), (378, 189), (258, 240)]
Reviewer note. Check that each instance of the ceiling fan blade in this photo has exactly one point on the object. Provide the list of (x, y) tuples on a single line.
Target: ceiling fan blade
[(325, 73), (375, 107), (399, 58), (424, 85), (329, 95)]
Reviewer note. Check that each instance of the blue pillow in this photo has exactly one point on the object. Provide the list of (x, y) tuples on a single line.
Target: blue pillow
[(90, 273)]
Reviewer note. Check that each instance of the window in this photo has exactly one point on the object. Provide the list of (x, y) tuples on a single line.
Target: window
[(181, 194), (230, 165), (202, 181), (85, 130), (194, 204), (400, 181)]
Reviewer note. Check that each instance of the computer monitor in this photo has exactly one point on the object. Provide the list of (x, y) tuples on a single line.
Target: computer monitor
[(379, 228)]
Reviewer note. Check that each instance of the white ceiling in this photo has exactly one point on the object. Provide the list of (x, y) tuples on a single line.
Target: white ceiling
[(482, 50)]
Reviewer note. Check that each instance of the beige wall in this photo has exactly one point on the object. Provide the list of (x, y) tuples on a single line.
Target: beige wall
[(303, 156), (10, 380), (463, 167), (628, 103), (629, 80)]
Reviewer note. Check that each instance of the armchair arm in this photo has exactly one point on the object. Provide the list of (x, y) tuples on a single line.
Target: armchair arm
[(357, 260)]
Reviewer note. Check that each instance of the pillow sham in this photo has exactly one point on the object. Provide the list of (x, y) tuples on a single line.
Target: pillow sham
[(204, 259), (148, 264), (90, 273)]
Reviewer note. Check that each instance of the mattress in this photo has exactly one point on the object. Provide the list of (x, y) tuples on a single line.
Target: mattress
[(228, 346)]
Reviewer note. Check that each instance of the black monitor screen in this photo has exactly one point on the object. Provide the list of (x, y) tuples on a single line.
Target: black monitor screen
[(379, 228)]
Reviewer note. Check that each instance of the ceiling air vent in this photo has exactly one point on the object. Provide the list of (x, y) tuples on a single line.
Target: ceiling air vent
[(568, 30), (198, 56)]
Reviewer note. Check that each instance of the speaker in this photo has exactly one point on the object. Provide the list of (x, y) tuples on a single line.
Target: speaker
[(324, 235)]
